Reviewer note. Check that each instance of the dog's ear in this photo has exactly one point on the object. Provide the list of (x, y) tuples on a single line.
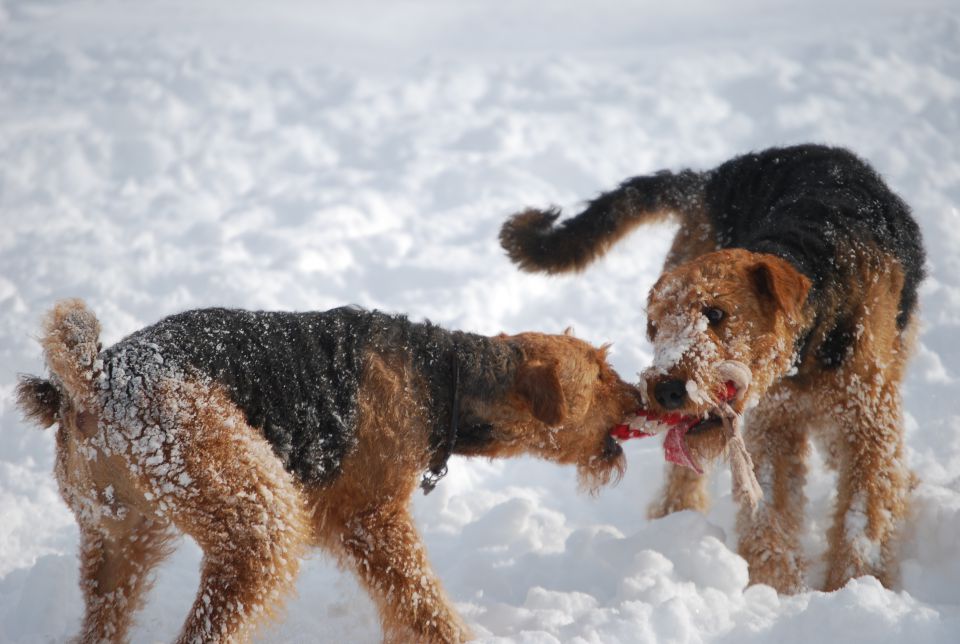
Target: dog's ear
[(776, 281), (539, 384)]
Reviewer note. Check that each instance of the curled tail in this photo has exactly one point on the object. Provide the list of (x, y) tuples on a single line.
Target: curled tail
[(535, 243), (71, 344)]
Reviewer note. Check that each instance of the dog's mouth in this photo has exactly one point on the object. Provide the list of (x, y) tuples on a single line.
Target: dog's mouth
[(710, 422), (678, 425), (737, 379), (675, 448)]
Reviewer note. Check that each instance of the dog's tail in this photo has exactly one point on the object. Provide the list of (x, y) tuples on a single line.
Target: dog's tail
[(534, 242), (71, 345)]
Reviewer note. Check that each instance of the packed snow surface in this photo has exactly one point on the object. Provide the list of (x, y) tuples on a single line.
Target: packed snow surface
[(298, 155)]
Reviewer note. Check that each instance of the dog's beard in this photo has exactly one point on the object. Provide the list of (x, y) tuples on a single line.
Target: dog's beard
[(605, 468)]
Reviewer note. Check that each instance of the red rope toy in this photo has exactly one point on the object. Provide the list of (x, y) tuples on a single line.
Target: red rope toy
[(624, 431), (746, 488)]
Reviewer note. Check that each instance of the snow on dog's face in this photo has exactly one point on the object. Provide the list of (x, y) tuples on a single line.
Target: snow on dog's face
[(731, 316)]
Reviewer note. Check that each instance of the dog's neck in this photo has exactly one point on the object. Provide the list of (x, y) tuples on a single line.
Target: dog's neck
[(463, 371), (824, 340), (488, 372)]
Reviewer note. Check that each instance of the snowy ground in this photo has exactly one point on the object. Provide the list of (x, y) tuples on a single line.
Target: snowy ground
[(299, 155)]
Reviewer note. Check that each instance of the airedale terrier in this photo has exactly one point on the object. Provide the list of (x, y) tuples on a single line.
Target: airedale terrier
[(803, 266), (261, 433)]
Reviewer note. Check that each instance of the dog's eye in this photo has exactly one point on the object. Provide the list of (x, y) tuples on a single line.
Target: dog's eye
[(714, 315)]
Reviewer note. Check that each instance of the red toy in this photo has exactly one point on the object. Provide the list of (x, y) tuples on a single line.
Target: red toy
[(674, 445)]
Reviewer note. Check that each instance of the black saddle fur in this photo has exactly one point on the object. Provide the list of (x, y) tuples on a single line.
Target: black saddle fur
[(296, 376)]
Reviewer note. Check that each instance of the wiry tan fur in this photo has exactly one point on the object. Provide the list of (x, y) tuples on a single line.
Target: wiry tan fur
[(177, 456)]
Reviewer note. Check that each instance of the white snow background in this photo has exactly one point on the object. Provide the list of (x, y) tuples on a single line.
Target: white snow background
[(300, 155)]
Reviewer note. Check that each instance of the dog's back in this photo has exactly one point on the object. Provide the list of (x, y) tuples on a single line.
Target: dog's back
[(293, 375)]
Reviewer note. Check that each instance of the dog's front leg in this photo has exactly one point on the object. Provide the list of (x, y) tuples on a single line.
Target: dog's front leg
[(770, 535), (385, 550), (683, 489)]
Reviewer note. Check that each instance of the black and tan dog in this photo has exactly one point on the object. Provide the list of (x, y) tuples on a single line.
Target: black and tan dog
[(802, 266), (259, 434)]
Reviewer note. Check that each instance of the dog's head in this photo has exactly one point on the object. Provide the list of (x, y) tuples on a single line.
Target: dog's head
[(728, 316), (563, 402)]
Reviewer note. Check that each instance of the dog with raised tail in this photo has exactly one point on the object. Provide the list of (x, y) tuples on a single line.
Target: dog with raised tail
[(260, 434), (801, 265)]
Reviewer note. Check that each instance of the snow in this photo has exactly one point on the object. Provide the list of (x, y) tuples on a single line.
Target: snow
[(297, 155)]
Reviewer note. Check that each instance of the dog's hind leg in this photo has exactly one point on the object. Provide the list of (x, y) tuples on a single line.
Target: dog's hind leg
[(221, 483), (874, 486), (874, 482), (120, 541), (769, 537), (116, 559)]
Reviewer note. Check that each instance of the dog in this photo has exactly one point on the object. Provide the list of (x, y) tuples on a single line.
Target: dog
[(802, 266), (260, 434)]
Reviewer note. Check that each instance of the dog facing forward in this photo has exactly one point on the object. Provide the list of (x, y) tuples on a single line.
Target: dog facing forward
[(259, 434), (802, 266)]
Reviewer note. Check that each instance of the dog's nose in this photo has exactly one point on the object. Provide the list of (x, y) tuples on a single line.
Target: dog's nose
[(671, 394)]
